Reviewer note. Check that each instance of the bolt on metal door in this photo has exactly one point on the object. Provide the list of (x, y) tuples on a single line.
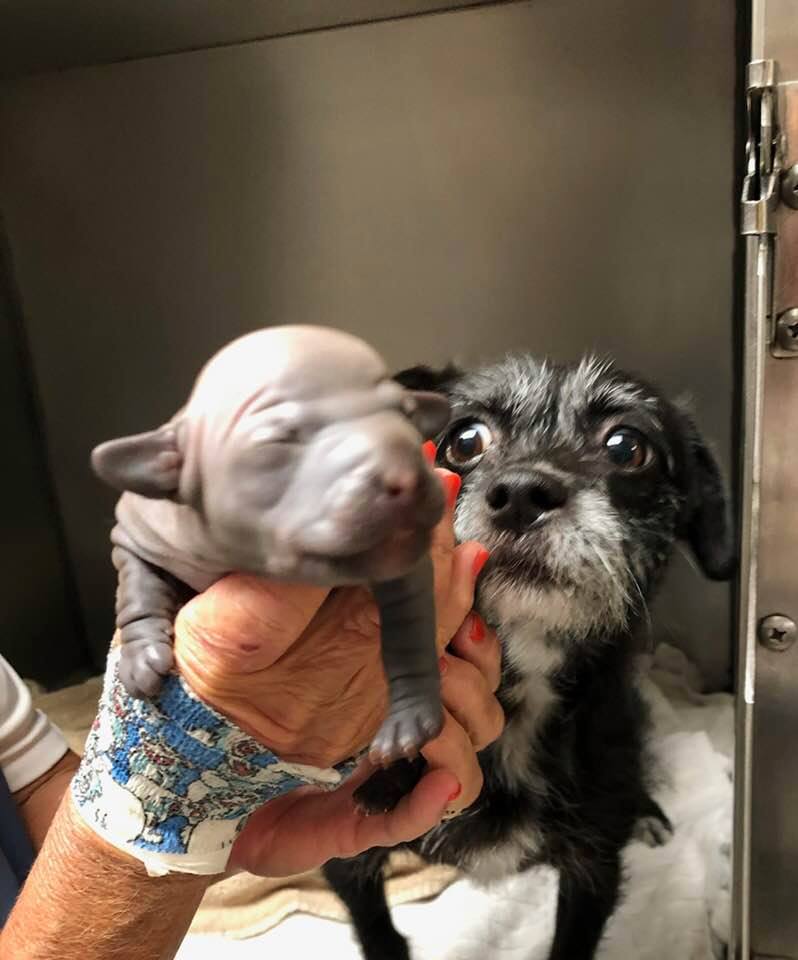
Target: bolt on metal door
[(765, 922)]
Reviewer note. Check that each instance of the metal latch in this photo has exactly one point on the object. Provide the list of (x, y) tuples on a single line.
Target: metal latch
[(764, 152), (764, 185)]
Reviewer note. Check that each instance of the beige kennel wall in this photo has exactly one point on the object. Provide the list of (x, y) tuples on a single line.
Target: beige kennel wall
[(554, 176)]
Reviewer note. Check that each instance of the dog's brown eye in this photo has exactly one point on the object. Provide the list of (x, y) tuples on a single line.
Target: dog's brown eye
[(467, 443), (627, 448)]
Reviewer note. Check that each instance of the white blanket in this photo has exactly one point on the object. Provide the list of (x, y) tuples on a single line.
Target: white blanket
[(676, 898)]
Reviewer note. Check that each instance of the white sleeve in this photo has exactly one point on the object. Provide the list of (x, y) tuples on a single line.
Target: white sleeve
[(29, 743)]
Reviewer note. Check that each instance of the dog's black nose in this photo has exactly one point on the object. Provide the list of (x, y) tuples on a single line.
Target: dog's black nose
[(520, 499)]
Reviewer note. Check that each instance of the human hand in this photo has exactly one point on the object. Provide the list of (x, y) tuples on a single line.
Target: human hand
[(300, 670)]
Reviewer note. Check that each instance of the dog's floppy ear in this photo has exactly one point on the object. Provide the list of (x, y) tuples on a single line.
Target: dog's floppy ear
[(707, 526), (426, 403), (428, 378), (146, 463)]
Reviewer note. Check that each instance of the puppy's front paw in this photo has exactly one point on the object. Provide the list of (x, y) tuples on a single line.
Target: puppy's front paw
[(143, 664), (406, 730)]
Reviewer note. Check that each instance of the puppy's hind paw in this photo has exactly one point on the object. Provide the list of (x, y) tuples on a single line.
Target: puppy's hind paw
[(407, 729)]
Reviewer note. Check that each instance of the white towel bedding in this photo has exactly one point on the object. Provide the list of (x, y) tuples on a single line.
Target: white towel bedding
[(676, 899)]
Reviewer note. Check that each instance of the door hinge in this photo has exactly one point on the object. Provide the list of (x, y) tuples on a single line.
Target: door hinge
[(762, 191), (764, 152)]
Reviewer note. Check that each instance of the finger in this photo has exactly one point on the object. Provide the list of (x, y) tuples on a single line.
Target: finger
[(479, 646), (452, 750), (304, 828), (468, 698), (467, 562), (413, 816), (442, 542), (243, 623)]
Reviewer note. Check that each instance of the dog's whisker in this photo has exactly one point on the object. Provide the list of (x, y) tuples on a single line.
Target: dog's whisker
[(690, 561)]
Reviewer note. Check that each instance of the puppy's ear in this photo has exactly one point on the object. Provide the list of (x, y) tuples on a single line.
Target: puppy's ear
[(147, 463), (429, 412), (426, 403), (707, 526)]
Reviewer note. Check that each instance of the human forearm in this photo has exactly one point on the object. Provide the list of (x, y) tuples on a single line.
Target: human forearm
[(84, 900), (39, 801)]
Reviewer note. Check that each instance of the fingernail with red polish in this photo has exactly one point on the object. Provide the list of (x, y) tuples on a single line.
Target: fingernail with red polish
[(478, 631), (479, 561), (456, 794), (452, 484), (429, 450), (443, 666)]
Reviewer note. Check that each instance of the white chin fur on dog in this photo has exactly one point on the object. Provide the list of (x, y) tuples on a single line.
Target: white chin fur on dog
[(507, 601), (584, 551)]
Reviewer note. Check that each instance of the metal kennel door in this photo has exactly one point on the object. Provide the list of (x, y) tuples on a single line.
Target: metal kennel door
[(766, 842)]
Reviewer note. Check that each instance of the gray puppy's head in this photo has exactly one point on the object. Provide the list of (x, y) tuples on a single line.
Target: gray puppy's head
[(296, 455), (579, 479)]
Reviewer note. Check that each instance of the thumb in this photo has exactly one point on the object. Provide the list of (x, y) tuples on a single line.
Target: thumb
[(242, 624)]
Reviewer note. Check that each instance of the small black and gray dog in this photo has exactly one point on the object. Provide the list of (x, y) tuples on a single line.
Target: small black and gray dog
[(580, 480)]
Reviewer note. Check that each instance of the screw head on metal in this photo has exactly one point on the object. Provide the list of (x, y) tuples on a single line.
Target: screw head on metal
[(789, 187), (777, 632), (787, 330)]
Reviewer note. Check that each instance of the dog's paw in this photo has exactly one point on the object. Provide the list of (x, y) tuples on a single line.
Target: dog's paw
[(653, 831), (406, 730), (385, 788), (143, 664)]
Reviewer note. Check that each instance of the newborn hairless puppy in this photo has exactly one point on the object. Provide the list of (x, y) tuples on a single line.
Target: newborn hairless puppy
[(296, 457)]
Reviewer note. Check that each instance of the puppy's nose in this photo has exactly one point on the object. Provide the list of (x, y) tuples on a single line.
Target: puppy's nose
[(401, 484), (519, 500)]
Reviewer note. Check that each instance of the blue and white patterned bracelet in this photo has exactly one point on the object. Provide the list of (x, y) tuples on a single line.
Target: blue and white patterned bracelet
[(172, 782)]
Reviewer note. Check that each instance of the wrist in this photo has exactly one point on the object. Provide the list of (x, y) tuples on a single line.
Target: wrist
[(38, 801), (171, 781)]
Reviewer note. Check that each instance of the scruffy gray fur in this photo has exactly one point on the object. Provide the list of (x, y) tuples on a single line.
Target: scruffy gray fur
[(580, 480)]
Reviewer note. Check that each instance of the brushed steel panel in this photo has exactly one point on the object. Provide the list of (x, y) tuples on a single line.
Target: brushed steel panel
[(774, 772), (779, 32), (41, 35), (553, 176)]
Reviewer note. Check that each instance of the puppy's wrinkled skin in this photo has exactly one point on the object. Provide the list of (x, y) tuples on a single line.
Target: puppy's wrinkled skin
[(579, 480), (295, 457)]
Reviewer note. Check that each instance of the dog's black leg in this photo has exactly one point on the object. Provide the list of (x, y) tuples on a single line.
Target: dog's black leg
[(359, 883), (585, 902)]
